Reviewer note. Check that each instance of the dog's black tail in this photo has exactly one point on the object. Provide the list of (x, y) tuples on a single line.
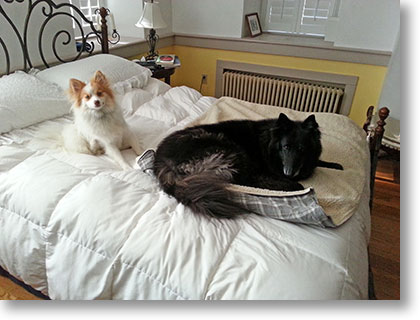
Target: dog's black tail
[(204, 192)]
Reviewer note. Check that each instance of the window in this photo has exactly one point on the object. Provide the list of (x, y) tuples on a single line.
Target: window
[(88, 8), (307, 17)]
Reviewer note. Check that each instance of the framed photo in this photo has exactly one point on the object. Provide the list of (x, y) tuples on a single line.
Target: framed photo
[(254, 24)]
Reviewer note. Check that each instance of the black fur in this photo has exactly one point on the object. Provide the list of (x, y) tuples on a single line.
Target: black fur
[(196, 164)]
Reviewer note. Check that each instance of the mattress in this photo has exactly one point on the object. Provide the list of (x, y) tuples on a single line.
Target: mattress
[(76, 226)]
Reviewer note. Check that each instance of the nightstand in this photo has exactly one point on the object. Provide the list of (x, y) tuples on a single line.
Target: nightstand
[(163, 73)]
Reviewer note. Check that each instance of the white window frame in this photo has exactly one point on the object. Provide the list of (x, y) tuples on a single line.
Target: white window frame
[(294, 23), (88, 8)]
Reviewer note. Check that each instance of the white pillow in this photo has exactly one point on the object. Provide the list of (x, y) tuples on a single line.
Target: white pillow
[(172, 107), (135, 98), (130, 101), (26, 100), (156, 87), (123, 74)]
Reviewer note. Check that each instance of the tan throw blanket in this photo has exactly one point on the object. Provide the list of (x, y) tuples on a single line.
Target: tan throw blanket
[(338, 192)]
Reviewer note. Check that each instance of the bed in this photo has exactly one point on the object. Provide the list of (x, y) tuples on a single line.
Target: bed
[(75, 226)]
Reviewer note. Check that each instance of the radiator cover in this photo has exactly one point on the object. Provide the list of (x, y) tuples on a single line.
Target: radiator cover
[(290, 88)]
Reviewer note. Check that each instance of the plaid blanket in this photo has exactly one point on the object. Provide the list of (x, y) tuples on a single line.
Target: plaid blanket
[(297, 207)]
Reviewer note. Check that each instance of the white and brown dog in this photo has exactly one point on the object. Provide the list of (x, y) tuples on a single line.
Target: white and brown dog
[(99, 126)]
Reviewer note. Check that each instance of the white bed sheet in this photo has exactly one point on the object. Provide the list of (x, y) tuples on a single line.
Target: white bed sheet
[(77, 227)]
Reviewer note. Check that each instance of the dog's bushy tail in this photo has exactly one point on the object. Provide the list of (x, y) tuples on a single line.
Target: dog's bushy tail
[(59, 137), (204, 193), (49, 137)]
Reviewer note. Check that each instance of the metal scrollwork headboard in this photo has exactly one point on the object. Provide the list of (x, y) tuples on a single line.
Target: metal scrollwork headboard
[(51, 10)]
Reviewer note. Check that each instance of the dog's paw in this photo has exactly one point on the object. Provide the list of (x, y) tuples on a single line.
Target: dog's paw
[(330, 165), (99, 151), (291, 186), (296, 186)]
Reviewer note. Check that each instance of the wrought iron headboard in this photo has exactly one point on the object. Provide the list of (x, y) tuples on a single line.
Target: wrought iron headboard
[(51, 10)]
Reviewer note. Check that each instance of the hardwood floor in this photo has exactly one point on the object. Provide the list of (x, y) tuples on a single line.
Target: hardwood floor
[(11, 291), (384, 246)]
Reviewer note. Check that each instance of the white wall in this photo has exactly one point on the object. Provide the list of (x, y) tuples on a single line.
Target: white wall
[(363, 24), (166, 9), (17, 12), (208, 17), (128, 12), (391, 91), (366, 24), (375, 25)]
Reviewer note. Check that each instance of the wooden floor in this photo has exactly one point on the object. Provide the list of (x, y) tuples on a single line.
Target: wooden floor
[(384, 246), (11, 291)]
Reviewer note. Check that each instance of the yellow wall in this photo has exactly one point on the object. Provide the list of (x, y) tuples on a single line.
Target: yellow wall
[(198, 61)]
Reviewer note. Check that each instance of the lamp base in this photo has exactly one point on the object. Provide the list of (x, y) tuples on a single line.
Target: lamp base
[(152, 39)]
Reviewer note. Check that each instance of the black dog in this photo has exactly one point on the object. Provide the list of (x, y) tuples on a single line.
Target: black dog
[(196, 164)]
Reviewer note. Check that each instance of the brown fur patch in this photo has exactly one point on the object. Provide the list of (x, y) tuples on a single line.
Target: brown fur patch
[(102, 88), (75, 91)]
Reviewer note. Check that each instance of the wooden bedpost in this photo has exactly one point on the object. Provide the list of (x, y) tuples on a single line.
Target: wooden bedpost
[(375, 141), (369, 115), (104, 30), (375, 136)]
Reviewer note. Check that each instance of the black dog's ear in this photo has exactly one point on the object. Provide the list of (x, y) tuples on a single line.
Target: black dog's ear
[(310, 122), (283, 122)]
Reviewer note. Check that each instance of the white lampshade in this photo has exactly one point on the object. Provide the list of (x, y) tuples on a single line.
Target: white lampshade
[(151, 17)]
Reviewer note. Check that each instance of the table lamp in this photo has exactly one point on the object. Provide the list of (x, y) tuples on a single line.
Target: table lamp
[(151, 19)]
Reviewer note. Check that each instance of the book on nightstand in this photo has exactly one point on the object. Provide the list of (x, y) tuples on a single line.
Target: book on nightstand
[(168, 61), (149, 64)]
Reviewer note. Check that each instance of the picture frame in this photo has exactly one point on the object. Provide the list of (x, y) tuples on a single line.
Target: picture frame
[(254, 24)]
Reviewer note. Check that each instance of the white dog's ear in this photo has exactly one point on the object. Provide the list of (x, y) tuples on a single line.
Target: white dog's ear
[(76, 86), (100, 77)]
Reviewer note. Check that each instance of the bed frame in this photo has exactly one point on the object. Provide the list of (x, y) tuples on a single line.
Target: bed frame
[(375, 133), (50, 10)]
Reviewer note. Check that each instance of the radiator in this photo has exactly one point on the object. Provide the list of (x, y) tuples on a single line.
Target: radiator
[(293, 94)]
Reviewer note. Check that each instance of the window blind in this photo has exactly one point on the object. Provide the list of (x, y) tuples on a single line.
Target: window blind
[(88, 8), (298, 16)]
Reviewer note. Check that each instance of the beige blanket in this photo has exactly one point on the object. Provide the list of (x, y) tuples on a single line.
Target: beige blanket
[(338, 192)]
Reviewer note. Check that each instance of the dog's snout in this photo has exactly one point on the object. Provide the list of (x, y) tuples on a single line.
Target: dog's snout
[(97, 103), (291, 172), (288, 172)]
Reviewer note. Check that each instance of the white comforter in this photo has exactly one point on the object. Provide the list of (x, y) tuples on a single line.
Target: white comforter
[(77, 227)]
